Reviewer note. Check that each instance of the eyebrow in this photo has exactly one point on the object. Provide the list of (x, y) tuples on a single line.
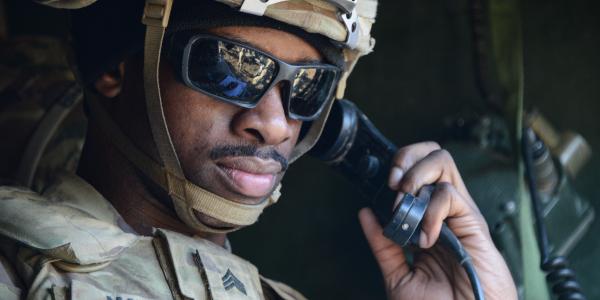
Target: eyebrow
[(304, 60)]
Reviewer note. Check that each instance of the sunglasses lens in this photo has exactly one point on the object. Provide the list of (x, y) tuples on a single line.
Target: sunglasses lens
[(230, 71), (311, 89), (241, 75)]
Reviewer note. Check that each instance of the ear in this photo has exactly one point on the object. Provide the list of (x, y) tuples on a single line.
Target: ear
[(110, 83)]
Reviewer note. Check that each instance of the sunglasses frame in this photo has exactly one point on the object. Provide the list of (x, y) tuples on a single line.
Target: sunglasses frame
[(286, 72)]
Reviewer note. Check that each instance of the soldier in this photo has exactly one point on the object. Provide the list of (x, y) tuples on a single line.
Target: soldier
[(192, 126)]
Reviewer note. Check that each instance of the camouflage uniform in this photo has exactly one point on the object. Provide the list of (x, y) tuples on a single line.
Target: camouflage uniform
[(67, 241), (70, 243)]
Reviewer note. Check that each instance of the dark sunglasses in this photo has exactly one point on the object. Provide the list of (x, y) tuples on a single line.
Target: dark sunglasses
[(239, 74)]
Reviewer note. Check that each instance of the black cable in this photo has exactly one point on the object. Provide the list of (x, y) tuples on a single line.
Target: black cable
[(404, 229), (559, 275), (448, 239)]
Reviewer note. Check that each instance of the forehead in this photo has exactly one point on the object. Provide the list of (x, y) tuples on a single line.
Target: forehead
[(281, 44)]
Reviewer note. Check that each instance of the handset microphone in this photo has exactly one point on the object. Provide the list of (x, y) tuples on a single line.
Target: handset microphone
[(351, 144)]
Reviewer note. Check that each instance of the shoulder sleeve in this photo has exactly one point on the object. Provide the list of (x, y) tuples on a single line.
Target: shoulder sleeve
[(65, 231)]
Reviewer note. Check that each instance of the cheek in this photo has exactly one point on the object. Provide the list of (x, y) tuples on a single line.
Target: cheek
[(187, 113), (296, 129), (195, 122)]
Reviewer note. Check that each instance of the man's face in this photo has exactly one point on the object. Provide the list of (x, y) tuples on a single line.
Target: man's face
[(237, 153)]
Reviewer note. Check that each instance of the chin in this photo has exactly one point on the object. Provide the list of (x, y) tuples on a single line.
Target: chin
[(219, 185)]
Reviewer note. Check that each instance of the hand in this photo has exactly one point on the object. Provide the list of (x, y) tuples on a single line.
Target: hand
[(435, 273)]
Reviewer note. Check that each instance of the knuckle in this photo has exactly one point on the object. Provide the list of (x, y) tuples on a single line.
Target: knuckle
[(406, 156), (432, 144), (408, 184), (444, 155), (400, 156)]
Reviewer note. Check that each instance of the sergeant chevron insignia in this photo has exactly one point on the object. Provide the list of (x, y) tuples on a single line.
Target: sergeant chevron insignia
[(230, 281)]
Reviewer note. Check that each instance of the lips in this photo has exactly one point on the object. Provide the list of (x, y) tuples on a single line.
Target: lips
[(250, 176)]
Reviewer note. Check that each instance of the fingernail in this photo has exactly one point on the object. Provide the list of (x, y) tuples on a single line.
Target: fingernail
[(423, 240), (395, 177)]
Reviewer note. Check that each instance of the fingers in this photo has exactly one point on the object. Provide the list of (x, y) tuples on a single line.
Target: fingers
[(445, 202), (424, 164), (436, 166), (388, 255), (466, 222), (460, 214), (406, 157)]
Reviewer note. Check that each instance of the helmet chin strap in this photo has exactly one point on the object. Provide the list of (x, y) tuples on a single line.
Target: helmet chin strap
[(186, 196), (167, 173)]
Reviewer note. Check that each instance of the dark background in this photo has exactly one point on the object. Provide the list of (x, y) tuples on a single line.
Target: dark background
[(421, 73)]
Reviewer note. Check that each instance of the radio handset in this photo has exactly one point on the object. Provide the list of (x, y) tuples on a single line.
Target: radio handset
[(351, 144)]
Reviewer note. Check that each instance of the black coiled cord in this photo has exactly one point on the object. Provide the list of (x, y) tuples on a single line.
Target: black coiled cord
[(562, 278), (558, 274)]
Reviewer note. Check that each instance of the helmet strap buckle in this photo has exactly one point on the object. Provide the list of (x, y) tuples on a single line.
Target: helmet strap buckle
[(350, 20), (157, 12)]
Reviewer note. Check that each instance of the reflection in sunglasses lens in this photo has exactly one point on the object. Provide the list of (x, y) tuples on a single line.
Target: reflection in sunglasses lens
[(241, 75), (310, 89), (230, 71)]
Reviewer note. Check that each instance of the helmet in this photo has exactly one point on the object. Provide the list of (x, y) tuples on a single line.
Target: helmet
[(345, 23)]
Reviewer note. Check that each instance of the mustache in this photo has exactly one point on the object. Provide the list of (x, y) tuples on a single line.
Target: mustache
[(249, 150)]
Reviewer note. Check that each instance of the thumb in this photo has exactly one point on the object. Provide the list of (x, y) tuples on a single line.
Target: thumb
[(388, 255)]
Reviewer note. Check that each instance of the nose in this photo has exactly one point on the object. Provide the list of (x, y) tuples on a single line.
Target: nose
[(267, 122)]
